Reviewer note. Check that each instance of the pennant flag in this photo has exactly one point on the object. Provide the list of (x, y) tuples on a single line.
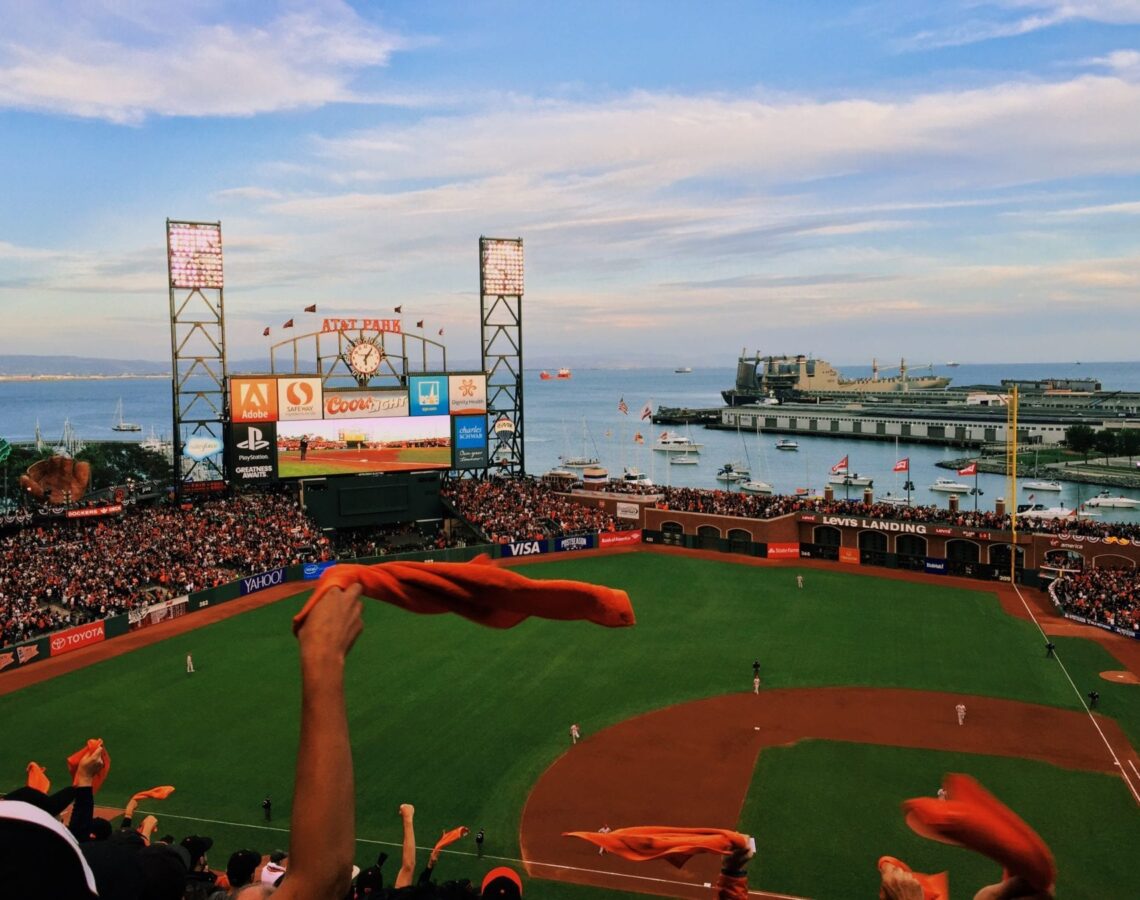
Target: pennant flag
[(450, 837), (646, 411), (623, 407), (840, 468), (288, 324), (971, 469), (266, 332), (398, 310), (608, 433), (311, 308), (903, 465), (639, 438), (420, 323), (1031, 496), (441, 332), (663, 435)]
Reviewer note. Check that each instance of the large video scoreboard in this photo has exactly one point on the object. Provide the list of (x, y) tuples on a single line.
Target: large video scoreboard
[(291, 426)]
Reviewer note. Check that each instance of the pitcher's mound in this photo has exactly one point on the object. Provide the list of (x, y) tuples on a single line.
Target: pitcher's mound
[(1120, 677)]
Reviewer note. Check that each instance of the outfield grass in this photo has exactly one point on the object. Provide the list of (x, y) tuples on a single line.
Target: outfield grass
[(842, 801), (462, 720)]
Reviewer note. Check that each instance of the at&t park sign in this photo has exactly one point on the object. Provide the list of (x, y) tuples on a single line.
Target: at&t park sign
[(331, 325)]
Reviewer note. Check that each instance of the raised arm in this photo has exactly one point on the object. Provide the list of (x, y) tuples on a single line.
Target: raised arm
[(324, 809), (408, 857)]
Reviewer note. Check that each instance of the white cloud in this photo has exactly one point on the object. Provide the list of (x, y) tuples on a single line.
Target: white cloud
[(164, 61), (991, 20)]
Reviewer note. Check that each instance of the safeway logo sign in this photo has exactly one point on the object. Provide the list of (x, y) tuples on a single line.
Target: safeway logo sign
[(253, 400), (299, 398), (255, 440)]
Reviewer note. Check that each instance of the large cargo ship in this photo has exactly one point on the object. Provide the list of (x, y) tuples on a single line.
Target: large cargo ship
[(762, 379)]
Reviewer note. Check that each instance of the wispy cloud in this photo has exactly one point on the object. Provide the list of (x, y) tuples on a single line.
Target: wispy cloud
[(987, 21)]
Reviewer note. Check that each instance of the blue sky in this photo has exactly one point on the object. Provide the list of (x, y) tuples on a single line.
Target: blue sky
[(953, 180)]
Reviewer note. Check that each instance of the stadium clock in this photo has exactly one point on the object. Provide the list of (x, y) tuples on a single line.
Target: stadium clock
[(364, 358)]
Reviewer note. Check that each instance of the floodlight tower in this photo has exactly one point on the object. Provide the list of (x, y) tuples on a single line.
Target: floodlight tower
[(197, 351), (500, 318)]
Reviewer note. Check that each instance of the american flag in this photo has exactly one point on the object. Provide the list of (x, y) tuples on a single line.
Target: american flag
[(623, 407)]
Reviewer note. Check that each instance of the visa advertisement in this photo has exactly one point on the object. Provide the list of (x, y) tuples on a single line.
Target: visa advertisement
[(470, 442), (352, 446)]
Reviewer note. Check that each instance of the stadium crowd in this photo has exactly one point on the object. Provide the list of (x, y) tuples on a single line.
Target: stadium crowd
[(1108, 596)]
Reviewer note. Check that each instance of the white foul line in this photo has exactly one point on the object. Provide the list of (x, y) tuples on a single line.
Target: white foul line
[(1081, 699)]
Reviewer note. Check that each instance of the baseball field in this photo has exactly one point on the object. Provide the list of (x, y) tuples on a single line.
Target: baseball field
[(860, 676)]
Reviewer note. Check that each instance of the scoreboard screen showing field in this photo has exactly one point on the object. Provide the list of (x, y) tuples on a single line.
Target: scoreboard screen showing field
[(315, 447)]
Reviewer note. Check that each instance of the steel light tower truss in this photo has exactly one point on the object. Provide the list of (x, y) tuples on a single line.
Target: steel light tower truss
[(500, 319), (197, 348)]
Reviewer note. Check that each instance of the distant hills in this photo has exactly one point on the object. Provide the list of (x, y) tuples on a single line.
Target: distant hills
[(16, 364)]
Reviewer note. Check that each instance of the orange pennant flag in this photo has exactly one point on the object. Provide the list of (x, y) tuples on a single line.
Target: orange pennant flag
[(934, 887), (973, 818), (74, 759), (479, 591), (155, 793), (37, 778), (450, 837), (676, 845)]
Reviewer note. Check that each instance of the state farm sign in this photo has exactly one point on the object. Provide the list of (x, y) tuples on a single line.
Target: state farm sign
[(365, 404), (74, 638)]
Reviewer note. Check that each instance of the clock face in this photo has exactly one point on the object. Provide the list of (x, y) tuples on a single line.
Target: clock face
[(364, 357)]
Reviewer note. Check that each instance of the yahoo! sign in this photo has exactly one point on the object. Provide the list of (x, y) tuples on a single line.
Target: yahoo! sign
[(260, 582)]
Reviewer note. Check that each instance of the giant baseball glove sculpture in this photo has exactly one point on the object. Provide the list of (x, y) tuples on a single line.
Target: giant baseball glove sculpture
[(57, 479)]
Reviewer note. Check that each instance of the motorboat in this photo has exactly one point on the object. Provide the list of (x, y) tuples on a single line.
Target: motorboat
[(852, 479), (1041, 511), (755, 487), (949, 486), (730, 473), (683, 370), (636, 476), (1041, 485), (671, 442), (1104, 498), (578, 462), (787, 444), (595, 475), (683, 459), (890, 499), (563, 373), (544, 375), (561, 474)]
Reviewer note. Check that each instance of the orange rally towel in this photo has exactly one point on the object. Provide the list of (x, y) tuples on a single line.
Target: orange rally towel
[(973, 818), (483, 593), (450, 837), (677, 845), (100, 776), (37, 778), (934, 887), (155, 793)]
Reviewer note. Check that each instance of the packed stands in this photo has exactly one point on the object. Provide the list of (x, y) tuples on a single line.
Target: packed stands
[(1107, 596)]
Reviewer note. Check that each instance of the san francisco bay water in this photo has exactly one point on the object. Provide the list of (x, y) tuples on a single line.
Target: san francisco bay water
[(580, 415)]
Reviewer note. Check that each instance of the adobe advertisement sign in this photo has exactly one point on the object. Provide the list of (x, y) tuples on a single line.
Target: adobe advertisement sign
[(467, 394), (470, 442), (253, 400), (298, 398), (253, 453), (74, 638), (364, 404), (428, 395)]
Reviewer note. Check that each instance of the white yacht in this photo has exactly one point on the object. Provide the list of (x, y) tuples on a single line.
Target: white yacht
[(787, 444), (854, 479), (755, 487), (671, 442), (949, 486), (636, 476), (1104, 498), (1041, 485)]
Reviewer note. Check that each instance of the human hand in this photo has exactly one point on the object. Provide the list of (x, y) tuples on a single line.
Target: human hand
[(332, 626), (56, 479), (1012, 889), (737, 860), (90, 765), (407, 811), (129, 812), (149, 824), (898, 884)]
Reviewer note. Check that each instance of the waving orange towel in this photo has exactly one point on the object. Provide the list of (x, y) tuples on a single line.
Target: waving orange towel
[(155, 793), (934, 887), (483, 593), (37, 778), (450, 837), (73, 762), (677, 845), (973, 818)]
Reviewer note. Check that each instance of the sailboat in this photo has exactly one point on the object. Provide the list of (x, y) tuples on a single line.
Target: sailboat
[(745, 481), (120, 423), (584, 460)]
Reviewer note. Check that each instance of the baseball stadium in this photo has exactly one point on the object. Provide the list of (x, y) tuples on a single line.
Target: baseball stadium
[(547, 688)]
